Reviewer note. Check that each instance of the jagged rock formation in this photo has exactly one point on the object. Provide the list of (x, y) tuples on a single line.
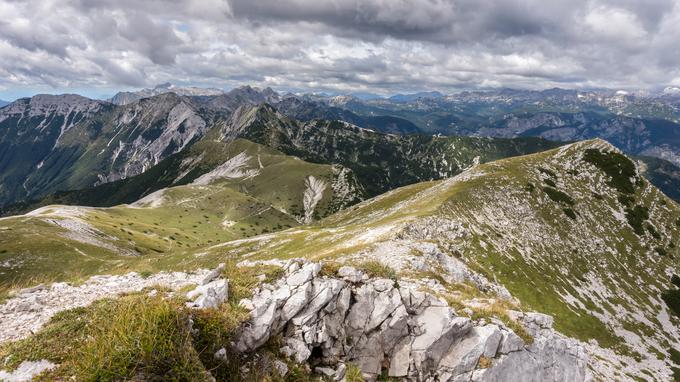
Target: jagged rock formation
[(314, 189), (124, 98), (398, 329)]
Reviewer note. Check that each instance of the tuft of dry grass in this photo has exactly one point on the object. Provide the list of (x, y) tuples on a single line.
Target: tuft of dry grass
[(374, 268), (484, 362), (135, 336), (353, 373), (330, 268)]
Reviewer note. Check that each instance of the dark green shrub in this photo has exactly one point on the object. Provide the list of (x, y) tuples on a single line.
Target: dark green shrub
[(672, 299), (617, 166), (675, 356), (676, 374), (569, 212), (549, 182), (529, 187), (636, 216), (661, 251), (653, 231), (547, 172), (558, 196), (626, 200), (675, 280)]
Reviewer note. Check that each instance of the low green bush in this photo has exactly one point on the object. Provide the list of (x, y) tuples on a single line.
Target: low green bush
[(674, 355), (558, 196), (626, 200), (549, 182), (550, 173), (636, 216), (675, 280), (652, 231), (672, 300), (620, 169)]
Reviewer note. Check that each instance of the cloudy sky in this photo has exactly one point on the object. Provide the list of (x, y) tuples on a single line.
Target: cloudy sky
[(96, 47)]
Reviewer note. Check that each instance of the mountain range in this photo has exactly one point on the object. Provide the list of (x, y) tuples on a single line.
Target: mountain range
[(77, 143), (199, 234), (124, 98)]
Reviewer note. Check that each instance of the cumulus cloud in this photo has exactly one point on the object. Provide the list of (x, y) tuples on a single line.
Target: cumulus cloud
[(382, 46)]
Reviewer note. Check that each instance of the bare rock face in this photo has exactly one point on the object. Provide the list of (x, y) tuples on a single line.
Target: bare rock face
[(210, 295), (381, 326), (26, 371)]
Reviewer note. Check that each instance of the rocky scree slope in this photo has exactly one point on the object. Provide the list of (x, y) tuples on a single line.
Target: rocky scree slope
[(574, 232), (52, 143)]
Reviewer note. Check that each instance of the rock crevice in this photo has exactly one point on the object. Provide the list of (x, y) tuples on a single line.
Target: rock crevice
[(398, 330)]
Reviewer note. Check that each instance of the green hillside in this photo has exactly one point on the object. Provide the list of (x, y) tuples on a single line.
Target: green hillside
[(263, 192), (573, 232)]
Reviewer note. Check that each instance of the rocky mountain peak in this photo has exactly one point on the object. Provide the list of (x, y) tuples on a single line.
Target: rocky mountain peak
[(45, 104), (124, 98)]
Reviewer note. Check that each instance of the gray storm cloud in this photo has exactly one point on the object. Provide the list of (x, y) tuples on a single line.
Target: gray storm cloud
[(339, 45)]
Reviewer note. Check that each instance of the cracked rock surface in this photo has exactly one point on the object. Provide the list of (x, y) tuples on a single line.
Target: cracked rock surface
[(377, 325)]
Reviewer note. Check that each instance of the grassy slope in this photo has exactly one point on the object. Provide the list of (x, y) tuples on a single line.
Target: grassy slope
[(185, 219), (598, 277)]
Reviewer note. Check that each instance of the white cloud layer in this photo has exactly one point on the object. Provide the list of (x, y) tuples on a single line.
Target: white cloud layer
[(382, 46)]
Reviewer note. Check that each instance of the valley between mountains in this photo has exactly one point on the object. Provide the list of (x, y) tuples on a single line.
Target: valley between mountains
[(198, 235)]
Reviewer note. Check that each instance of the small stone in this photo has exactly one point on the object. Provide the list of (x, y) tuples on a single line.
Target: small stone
[(221, 355), (247, 303), (280, 367), (296, 349), (210, 295), (325, 371), (34, 289), (340, 372), (212, 275), (59, 286), (350, 274)]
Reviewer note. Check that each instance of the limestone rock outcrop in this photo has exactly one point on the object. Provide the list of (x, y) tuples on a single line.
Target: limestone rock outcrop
[(385, 327)]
